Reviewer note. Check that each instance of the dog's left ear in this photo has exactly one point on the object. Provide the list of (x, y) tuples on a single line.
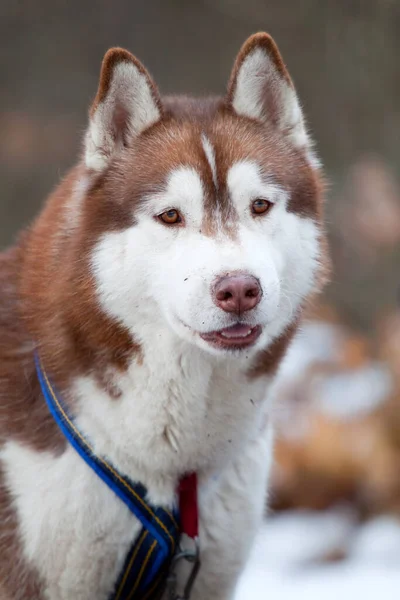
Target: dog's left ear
[(127, 103), (260, 88)]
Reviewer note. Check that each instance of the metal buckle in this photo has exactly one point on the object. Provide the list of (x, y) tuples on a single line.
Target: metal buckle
[(182, 556)]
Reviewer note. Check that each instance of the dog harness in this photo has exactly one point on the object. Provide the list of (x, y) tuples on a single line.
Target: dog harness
[(166, 538)]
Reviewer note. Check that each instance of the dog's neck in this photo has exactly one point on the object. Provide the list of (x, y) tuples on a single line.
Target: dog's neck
[(171, 412)]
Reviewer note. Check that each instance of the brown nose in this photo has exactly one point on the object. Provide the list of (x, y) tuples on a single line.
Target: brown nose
[(237, 293)]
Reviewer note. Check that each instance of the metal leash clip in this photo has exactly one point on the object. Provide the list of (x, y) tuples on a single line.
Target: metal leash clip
[(186, 563)]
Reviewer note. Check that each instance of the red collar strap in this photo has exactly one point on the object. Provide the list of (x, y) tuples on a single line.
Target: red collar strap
[(189, 551), (188, 505)]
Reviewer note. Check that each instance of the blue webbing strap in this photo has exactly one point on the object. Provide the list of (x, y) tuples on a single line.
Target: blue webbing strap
[(147, 562)]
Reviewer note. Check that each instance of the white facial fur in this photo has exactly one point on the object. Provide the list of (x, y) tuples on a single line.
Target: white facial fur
[(210, 154), (157, 276)]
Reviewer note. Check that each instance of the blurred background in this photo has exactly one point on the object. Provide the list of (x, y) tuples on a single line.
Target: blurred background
[(335, 500)]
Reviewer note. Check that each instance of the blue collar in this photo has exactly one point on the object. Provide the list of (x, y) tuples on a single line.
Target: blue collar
[(147, 563)]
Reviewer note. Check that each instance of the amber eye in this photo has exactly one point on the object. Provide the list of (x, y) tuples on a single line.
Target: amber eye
[(170, 217), (260, 206)]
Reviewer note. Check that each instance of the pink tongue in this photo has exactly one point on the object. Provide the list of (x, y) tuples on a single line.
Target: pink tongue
[(235, 330)]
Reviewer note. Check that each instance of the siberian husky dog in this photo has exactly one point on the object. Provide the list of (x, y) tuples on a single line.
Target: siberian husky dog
[(161, 285)]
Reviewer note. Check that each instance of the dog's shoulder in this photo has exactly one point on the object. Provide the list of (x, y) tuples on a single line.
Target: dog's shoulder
[(16, 369), (9, 322), (14, 340), (19, 389)]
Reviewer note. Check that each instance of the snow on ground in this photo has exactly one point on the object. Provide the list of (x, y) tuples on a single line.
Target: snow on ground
[(347, 393), (356, 392), (286, 562)]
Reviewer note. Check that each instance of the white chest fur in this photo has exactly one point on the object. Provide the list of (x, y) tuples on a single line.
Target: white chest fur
[(181, 410), (192, 415)]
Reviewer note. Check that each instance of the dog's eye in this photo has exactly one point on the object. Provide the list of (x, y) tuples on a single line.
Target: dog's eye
[(170, 217), (260, 206)]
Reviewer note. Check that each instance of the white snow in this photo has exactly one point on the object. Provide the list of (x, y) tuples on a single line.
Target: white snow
[(334, 390), (286, 562), (316, 342), (351, 394)]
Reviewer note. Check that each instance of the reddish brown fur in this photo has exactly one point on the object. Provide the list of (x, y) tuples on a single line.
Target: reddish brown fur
[(113, 57), (48, 293), (268, 360), (258, 40), (272, 96), (24, 417)]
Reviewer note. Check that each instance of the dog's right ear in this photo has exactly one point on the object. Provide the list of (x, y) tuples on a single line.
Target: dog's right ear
[(127, 103)]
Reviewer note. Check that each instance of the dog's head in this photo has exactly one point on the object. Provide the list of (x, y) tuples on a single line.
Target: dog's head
[(205, 214)]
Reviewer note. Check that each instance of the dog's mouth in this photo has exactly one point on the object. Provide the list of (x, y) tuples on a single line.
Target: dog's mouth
[(235, 337)]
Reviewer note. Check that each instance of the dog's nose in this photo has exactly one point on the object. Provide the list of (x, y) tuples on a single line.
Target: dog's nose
[(237, 293)]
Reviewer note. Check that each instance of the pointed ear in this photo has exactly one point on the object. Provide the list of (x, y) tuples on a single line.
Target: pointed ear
[(127, 102), (260, 88)]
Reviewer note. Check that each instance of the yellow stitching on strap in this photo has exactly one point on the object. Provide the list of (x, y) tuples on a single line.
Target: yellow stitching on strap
[(171, 516), (146, 560), (105, 463), (128, 568)]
